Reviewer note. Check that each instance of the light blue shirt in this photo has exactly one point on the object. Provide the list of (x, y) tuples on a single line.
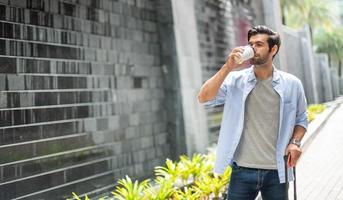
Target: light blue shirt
[(233, 93)]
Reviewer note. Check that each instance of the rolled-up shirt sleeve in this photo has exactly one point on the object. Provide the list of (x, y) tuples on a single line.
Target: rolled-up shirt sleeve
[(301, 115), (220, 97)]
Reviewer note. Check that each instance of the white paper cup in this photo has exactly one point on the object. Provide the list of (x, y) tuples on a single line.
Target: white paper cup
[(248, 53)]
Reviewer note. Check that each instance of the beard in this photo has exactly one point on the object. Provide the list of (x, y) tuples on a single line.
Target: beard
[(259, 60)]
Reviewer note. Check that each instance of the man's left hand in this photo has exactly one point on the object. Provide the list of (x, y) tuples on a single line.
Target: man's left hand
[(293, 152)]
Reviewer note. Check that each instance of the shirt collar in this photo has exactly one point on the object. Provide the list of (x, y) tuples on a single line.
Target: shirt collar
[(276, 74)]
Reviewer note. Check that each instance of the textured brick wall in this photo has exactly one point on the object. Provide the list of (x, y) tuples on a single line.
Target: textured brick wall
[(222, 25), (82, 95)]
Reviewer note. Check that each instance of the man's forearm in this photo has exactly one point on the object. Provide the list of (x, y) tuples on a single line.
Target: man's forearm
[(210, 88), (298, 132)]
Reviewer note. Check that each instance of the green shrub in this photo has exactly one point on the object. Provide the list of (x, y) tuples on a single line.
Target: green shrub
[(190, 178), (127, 190), (313, 110), (163, 190), (212, 185)]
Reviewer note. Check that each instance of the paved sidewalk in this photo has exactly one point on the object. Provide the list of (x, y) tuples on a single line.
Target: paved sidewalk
[(320, 170)]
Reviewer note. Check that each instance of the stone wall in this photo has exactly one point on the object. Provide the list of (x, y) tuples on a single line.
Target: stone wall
[(222, 25), (292, 44), (335, 81), (320, 80), (82, 96), (301, 61), (325, 90)]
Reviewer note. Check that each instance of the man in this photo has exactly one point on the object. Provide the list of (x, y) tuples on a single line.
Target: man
[(264, 118)]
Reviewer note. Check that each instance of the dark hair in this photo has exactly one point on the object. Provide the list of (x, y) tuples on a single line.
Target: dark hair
[(273, 39)]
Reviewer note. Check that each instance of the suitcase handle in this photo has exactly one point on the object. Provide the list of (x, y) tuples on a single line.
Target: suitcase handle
[(286, 177)]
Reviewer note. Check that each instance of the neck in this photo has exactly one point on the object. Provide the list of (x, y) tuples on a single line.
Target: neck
[(263, 71)]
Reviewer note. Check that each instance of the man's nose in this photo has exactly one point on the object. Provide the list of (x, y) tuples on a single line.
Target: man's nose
[(253, 47)]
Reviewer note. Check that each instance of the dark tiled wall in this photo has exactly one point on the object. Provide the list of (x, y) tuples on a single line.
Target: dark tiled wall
[(81, 95), (222, 25)]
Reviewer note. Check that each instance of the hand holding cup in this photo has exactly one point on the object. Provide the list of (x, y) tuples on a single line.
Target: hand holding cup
[(248, 53), (238, 55)]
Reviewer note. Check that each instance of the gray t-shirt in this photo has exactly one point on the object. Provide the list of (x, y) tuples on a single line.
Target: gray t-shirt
[(257, 147)]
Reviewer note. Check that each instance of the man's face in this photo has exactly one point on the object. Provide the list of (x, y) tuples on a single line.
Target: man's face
[(262, 53)]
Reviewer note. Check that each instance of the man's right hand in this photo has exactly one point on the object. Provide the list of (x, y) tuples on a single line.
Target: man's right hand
[(235, 54), (210, 88)]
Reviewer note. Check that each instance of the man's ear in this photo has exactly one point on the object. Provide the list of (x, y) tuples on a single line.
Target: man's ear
[(274, 49)]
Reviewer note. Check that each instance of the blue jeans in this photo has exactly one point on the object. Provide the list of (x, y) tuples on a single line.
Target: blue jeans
[(245, 183)]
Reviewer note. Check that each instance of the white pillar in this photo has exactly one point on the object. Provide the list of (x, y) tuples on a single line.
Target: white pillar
[(187, 47)]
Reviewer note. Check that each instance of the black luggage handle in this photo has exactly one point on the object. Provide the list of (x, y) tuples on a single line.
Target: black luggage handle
[(286, 177)]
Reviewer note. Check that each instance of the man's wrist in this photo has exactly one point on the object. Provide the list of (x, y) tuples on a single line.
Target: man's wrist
[(296, 142), (226, 68)]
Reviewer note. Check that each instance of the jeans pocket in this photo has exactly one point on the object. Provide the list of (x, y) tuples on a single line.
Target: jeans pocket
[(235, 167)]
